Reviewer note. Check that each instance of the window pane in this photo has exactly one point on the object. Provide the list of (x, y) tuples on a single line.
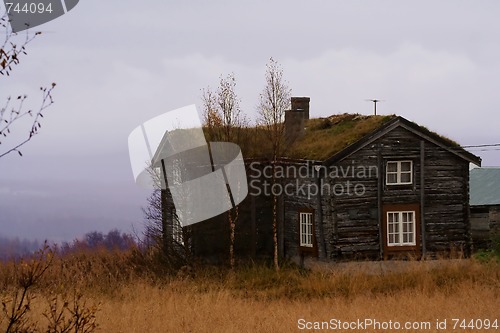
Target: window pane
[(392, 166), (306, 229), (392, 178), (401, 228), (405, 166), (406, 177)]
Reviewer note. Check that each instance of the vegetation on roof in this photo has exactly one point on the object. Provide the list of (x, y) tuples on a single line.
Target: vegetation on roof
[(323, 138), (451, 142)]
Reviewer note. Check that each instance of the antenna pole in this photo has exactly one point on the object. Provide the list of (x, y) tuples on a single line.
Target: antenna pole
[(375, 101)]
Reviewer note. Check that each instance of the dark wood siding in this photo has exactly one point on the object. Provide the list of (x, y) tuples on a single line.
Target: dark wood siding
[(347, 199), (485, 225), (354, 206), (354, 229), (304, 198), (447, 202), (253, 227)]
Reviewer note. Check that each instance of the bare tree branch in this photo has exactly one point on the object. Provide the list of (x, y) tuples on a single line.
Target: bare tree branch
[(7, 119), (222, 114), (274, 101), (174, 252), (10, 53)]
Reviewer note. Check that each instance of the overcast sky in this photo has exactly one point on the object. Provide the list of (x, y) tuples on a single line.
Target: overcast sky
[(120, 63)]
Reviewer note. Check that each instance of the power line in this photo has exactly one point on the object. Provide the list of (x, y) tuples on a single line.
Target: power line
[(497, 149), (481, 146)]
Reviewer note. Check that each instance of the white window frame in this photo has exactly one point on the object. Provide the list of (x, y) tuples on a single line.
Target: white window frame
[(401, 228), (398, 172), (306, 229)]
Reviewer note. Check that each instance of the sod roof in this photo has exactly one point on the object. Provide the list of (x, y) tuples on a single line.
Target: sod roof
[(326, 137), (323, 137)]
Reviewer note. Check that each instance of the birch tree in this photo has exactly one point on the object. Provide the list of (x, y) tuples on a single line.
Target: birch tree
[(274, 101), (224, 121)]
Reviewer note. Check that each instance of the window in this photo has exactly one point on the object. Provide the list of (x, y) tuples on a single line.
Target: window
[(399, 172), (306, 229), (401, 228)]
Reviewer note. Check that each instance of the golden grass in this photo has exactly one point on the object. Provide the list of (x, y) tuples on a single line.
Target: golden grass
[(133, 297), (143, 308)]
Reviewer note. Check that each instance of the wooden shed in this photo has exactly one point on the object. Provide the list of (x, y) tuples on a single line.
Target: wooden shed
[(485, 206)]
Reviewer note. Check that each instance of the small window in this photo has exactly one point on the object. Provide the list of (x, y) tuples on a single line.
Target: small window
[(401, 228), (306, 229), (399, 172)]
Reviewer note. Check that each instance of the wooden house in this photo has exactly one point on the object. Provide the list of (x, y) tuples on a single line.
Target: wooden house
[(349, 187), (485, 206)]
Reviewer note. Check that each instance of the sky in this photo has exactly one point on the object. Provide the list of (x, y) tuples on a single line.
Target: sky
[(118, 64)]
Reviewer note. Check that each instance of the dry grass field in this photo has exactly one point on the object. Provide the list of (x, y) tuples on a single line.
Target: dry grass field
[(147, 309), (121, 295)]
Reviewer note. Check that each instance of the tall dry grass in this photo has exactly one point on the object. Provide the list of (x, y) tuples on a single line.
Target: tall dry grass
[(133, 295), (144, 308)]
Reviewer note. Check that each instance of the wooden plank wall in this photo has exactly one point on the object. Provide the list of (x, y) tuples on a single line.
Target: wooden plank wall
[(485, 225), (346, 224), (352, 225)]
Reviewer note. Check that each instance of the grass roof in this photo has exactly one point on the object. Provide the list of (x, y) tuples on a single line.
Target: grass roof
[(323, 137)]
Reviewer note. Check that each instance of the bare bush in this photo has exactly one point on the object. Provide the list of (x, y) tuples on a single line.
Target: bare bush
[(22, 282)]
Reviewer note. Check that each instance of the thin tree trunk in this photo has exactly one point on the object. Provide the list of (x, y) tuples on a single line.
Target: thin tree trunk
[(275, 232), (231, 236), (275, 220)]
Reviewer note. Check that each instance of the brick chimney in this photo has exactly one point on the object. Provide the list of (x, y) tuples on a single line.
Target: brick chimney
[(295, 118)]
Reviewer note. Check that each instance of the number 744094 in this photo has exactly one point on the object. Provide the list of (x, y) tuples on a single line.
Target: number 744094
[(31, 8)]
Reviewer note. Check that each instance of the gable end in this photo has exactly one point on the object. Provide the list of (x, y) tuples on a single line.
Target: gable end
[(412, 127)]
